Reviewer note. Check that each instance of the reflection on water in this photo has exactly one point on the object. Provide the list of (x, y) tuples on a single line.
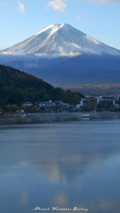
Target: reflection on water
[(64, 164), (58, 117)]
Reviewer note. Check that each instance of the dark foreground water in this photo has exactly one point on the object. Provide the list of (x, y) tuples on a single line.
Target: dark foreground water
[(64, 165)]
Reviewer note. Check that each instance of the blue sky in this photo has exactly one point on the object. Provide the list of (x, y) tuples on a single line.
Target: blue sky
[(22, 19)]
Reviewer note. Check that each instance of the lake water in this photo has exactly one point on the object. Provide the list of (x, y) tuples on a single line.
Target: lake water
[(60, 164)]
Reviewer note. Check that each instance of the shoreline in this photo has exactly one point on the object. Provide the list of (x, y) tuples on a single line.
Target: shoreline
[(57, 117)]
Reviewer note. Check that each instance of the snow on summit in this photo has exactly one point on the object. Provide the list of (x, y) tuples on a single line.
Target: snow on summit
[(60, 40)]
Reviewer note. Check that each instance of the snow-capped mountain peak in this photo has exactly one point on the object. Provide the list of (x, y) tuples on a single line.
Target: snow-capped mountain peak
[(60, 39), (52, 27)]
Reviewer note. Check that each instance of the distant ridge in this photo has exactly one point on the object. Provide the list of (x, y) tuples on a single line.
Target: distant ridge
[(60, 40)]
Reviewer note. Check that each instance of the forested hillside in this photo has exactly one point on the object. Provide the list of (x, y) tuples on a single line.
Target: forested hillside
[(17, 87)]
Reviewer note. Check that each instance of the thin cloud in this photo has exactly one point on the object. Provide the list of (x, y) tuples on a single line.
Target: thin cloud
[(105, 1), (57, 5), (21, 9), (110, 1), (77, 17)]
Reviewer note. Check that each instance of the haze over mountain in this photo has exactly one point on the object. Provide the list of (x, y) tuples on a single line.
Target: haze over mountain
[(60, 40)]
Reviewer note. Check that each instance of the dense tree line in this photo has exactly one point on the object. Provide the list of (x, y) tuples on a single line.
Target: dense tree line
[(17, 87)]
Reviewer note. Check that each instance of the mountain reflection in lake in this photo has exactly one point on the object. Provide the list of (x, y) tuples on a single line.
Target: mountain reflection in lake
[(60, 165)]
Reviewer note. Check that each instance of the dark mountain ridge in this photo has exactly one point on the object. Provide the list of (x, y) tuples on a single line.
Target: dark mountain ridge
[(17, 87)]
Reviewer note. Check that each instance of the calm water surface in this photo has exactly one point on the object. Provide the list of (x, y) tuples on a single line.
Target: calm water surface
[(67, 164)]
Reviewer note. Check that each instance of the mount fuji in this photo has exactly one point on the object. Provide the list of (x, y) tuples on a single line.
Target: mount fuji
[(60, 40), (49, 55)]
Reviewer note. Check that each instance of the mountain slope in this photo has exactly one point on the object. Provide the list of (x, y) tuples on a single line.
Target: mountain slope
[(17, 87), (69, 71), (60, 39)]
